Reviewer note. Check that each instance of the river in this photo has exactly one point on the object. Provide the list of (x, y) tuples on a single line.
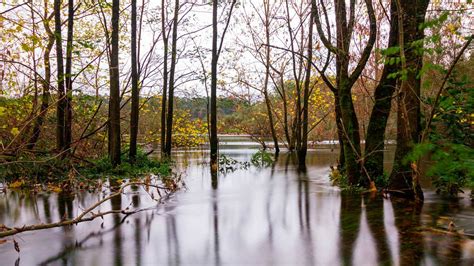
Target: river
[(277, 215)]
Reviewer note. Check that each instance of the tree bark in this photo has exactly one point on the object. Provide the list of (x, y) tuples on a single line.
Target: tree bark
[(304, 138), (61, 105), (267, 76), (349, 126), (114, 103), (340, 131), (296, 127), (45, 84), (68, 79), (404, 177), (374, 141), (169, 118), (134, 114), (213, 140), (165, 78)]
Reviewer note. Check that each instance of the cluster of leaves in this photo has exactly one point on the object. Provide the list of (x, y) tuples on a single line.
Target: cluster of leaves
[(451, 139), (262, 158), (12, 113), (188, 132)]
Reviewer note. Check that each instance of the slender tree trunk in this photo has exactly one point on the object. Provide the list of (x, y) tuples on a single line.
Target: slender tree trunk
[(267, 76), (340, 133), (404, 177), (68, 79), (374, 141), (44, 84), (297, 121), (61, 105), (169, 118), (114, 103), (304, 141), (165, 78), (34, 106), (214, 141), (134, 114), (285, 114)]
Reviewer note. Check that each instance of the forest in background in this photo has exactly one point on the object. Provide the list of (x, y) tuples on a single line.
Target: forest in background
[(84, 80)]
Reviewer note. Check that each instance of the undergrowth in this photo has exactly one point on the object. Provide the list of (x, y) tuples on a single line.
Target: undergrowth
[(341, 180), (28, 170)]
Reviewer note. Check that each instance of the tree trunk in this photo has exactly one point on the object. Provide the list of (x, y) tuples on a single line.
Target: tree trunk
[(296, 74), (68, 111), (350, 131), (45, 85), (213, 140), (340, 134), (304, 141), (267, 76), (114, 103), (374, 141), (61, 105), (165, 78), (169, 118), (134, 114), (285, 114), (404, 177), (347, 122)]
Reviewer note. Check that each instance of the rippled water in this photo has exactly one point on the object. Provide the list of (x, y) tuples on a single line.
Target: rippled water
[(277, 215)]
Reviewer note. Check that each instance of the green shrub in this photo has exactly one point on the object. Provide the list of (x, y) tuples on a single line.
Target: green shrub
[(451, 139), (262, 158)]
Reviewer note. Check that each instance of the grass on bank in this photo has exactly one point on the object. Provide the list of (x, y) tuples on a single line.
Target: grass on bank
[(27, 171)]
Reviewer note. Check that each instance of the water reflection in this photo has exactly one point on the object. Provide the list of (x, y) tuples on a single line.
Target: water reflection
[(278, 215)]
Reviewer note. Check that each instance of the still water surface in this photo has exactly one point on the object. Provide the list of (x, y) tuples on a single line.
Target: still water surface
[(272, 216)]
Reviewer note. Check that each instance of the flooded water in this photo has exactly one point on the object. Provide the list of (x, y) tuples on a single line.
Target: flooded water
[(272, 216)]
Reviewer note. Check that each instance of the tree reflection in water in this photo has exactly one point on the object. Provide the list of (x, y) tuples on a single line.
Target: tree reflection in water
[(269, 216)]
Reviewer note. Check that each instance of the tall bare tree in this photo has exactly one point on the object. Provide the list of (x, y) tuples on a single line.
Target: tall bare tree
[(306, 91), (169, 114), (165, 77), (134, 114), (345, 78), (216, 51), (267, 21), (114, 102), (68, 78), (61, 104), (374, 140), (45, 81)]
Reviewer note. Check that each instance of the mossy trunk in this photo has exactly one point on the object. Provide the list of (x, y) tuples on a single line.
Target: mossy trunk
[(404, 176), (351, 136), (374, 141)]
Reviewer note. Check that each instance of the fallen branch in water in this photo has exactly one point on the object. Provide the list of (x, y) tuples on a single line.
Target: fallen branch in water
[(7, 231)]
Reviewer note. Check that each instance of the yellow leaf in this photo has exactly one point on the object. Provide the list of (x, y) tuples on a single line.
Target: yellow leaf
[(15, 131), (17, 184)]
